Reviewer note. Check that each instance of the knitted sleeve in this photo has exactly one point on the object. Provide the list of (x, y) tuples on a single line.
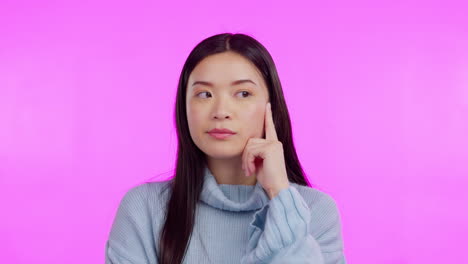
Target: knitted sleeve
[(130, 239), (280, 232)]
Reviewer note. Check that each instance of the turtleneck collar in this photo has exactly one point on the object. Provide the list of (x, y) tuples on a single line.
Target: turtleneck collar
[(232, 197)]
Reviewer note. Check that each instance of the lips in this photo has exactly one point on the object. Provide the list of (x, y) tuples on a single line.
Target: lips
[(221, 131)]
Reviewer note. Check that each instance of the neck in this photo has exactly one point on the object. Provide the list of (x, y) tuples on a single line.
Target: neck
[(229, 171)]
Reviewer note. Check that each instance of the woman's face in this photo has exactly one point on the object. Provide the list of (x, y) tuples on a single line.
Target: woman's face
[(215, 100)]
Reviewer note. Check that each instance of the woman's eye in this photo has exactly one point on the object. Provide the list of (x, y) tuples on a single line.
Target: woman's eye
[(203, 92), (244, 93)]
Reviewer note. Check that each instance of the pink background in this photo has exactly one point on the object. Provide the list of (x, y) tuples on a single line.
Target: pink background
[(378, 96)]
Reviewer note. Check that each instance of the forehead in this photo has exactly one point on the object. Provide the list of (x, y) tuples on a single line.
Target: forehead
[(224, 68)]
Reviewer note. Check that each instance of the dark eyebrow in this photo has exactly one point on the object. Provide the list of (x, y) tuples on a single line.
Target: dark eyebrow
[(233, 83)]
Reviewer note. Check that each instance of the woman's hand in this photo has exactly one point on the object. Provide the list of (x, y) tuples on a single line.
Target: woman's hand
[(264, 156)]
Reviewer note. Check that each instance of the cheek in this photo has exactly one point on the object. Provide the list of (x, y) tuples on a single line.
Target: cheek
[(193, 112), (254, 121), (193, 118)]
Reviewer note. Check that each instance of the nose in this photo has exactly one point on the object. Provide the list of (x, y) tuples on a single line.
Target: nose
[(221, 116), (220, 110)]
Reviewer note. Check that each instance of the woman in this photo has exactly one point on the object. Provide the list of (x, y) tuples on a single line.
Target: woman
[(239, 194)]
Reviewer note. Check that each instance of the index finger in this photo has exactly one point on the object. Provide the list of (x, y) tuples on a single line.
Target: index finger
[(270, 130)]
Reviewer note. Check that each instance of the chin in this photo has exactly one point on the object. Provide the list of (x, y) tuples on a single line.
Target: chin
[(222, 154)]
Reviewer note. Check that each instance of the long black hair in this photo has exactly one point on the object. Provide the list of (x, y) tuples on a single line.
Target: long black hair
[(187, 183)]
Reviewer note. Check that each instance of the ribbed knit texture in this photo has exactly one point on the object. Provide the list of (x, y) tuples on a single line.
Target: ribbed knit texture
[(234, 224)]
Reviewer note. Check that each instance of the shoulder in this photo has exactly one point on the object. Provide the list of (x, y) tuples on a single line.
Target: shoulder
[(135, 226), (146, 197), (159, 192), (315, 198), (325, 224)]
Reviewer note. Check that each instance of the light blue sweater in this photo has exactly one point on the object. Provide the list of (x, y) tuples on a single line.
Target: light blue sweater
[(233, 224)]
